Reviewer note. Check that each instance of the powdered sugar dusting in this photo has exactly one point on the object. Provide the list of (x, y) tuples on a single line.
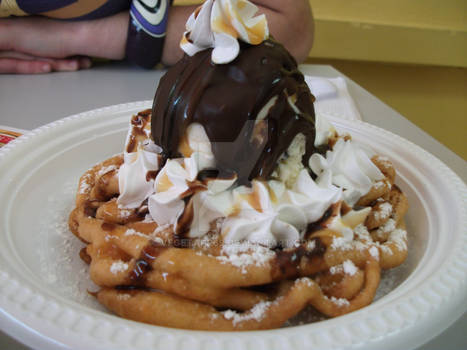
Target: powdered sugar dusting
[(349, 267), (244, 254), (125, 213), (107, 169), (256, 313), (84, 186), (399, 237), (118, 266), (341, 302), (123, 296), (336, 269), (311, 245), (340, 243), (374, 252), (132, 232), (58, 249), (306, 280), (153, 236), (385, 249), (389, 226), (384, 211), (362, 232)]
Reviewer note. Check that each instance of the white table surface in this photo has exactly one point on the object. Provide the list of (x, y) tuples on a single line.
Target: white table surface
[(28, 101)]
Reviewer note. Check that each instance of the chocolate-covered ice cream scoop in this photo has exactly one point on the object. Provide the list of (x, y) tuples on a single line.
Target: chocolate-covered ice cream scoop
[(251, 108)]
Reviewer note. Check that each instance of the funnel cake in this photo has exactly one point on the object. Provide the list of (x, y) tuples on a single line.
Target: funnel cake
[(233, 207), (147, 273)]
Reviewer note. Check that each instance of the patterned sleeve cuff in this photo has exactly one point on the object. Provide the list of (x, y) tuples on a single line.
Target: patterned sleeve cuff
[(146, 31)]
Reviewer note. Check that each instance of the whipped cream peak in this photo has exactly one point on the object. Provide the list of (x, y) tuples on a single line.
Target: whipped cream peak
[(254, 218), (135, 179), (325, 131), (312, 197), (207, 208), (173, 183), (219, 24), (178, 179), (347, 166), (268, 213), (141, 161)]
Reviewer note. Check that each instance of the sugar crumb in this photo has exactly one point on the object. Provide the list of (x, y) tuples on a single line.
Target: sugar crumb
[(399, 237), (256, 313), (389, 226), (311, 245), (244, 254), (339, 301), (106, 170), (84, 186), (123, 296), (118, 266), (132, 232), (306, 280), (374, 252), (349, 267), (384, 211)]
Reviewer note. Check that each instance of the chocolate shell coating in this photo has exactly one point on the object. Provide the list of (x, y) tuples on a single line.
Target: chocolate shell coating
[(227, 99)]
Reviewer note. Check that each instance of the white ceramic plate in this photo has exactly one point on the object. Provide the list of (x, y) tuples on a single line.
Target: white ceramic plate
[(43, 283)]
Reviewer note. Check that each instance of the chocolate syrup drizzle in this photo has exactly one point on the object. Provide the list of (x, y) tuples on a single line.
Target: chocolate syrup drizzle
[(287, 262), (226, 100), (285, 265), (138, 122)]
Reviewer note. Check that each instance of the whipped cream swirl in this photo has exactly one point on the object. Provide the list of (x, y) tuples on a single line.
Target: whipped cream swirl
[(141, 160), (172, 183), (218, 24), (267, 213), (349, 167)]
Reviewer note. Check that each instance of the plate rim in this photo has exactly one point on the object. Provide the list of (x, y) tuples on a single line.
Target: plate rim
[(279, 336)]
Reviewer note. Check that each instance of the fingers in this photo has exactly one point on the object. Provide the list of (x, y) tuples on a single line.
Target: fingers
[(17, 65), (70, 64)]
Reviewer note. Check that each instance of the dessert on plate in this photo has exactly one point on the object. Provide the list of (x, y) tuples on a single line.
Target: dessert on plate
[(232, 206)]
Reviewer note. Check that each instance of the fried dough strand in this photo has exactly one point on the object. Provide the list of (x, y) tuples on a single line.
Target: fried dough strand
[(172, 311)]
